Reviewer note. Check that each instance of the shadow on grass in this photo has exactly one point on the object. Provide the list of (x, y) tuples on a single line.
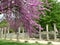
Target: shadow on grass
[(8, 42)]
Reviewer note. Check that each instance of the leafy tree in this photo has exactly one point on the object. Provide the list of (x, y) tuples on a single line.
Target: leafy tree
[(3, 23), (52, 17), (22, 12)]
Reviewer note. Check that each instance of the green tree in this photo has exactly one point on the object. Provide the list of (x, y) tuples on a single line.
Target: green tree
[(53, 17), (3, 23)]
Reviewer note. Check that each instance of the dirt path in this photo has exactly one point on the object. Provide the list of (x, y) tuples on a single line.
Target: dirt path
[(34, 41)]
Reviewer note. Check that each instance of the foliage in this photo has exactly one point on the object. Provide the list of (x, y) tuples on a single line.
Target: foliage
[(53, 16), (23, 12), (3, 23)]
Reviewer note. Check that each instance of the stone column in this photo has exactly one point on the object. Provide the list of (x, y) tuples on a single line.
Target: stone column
[(40, 34), (55, 31), (0, 32), (5, 32), (23, 32), (47, 31), (8, 30), (17, 34), (19, 29)]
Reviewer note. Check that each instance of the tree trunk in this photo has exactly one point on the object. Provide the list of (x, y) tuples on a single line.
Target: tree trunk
[(47, 31)]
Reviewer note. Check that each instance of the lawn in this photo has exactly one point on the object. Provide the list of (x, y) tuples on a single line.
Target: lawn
[(5, 42)]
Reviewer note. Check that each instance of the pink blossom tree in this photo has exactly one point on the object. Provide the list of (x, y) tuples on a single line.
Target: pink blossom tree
[(24, 12)]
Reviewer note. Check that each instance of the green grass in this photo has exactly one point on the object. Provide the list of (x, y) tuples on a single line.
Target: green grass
[(5, 42)]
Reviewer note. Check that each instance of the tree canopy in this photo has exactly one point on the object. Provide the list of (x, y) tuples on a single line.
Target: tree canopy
[(53, 16), (22, 12), (3, 23)]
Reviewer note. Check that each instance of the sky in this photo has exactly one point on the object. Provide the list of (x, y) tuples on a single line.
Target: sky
[(58, 0), (1, 15)]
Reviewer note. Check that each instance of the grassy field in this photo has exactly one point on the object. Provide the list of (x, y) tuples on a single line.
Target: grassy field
[(5, 42)]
